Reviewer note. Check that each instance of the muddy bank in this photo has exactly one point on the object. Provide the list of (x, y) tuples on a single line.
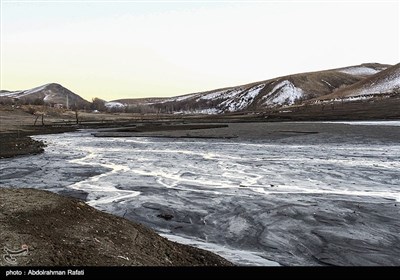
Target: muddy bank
[(18, 143), (261, 131), (83, 236), (15, 146)]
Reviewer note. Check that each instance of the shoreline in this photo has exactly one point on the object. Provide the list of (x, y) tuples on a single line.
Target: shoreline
[(17, 125), (20, 143)]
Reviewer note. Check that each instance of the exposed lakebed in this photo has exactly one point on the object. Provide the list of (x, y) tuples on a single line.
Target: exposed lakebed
[(287, 193)]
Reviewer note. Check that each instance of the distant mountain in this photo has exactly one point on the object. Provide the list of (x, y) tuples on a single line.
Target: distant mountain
[(49, 94), (269, 94)]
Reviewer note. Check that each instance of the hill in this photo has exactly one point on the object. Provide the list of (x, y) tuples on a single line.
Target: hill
[(263, 95), (386, 82), (369, 81), (50, 94)]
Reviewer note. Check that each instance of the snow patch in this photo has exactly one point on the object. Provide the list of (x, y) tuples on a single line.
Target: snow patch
[(10, 93), (36, 89), (47, 98), (15, 94), (359, 71), (327, 83), (244, 100), (225, 94), (114, 104), (354, 98), (207, 111), (388, 86), (22, 93), (284, 93), (212, 95)]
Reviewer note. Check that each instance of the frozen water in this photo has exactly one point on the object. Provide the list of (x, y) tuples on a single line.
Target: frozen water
[(255, 202)]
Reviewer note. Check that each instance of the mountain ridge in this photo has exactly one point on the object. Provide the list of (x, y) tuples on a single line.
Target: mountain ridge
[(271, 94)]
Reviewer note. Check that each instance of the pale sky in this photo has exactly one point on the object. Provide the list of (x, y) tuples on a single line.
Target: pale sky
[(121, 49)]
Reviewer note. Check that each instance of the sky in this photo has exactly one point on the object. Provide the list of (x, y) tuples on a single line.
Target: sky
[(133, 49)]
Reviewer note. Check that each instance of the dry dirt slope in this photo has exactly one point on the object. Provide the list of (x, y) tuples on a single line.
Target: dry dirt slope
[(63, 231)]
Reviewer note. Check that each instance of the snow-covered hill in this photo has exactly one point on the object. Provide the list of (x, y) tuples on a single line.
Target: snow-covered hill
[(353, 83), (52, 94), (386, 82), (273, 93)]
